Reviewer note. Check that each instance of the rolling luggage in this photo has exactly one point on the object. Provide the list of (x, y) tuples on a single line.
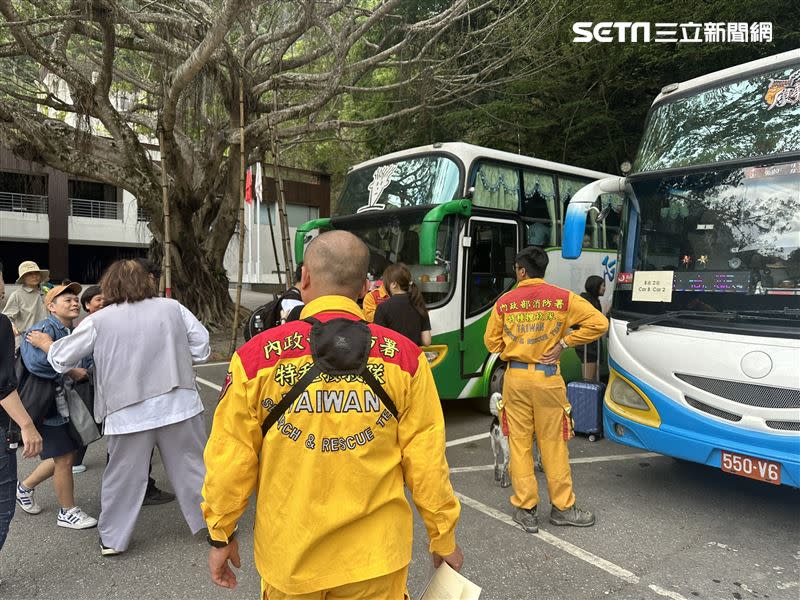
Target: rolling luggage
[(586, 399)]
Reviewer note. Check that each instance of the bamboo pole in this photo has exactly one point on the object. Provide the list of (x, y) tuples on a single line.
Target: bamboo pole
[(167, 258), (281, 199), (237, 308), (272, 237)]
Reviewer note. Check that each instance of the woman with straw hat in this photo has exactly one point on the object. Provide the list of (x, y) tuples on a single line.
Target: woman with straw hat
[(26, 305)]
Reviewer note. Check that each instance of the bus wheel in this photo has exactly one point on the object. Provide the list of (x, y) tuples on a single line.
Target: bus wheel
[(496, 380), (495, 385)]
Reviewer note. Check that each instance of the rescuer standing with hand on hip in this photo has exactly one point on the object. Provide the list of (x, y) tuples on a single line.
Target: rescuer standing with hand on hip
[(529, 326), (327, 418)]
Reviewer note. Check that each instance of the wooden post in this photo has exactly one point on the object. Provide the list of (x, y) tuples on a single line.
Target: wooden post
[(167, 258), (242, 182)]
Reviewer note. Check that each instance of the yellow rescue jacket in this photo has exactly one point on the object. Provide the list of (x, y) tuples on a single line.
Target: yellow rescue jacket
[(329, 475), (371, 302), (528, 321)]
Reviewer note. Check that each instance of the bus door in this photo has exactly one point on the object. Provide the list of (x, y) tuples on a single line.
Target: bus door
[(489, 249)]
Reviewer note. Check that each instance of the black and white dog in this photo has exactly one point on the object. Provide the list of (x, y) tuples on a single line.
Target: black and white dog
[(498, 433), (499, 443)]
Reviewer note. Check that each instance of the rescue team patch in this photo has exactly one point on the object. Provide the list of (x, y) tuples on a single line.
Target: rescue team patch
[(290, 342), (226, 385)]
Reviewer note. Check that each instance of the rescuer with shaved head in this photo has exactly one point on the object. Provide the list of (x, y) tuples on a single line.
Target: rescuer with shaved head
[(326, 419)]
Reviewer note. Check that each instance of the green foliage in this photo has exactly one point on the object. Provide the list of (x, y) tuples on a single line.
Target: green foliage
[(588, 108)]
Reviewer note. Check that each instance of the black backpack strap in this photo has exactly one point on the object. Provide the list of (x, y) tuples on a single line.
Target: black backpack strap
[(370, 380), (315, 370), (292, 395)]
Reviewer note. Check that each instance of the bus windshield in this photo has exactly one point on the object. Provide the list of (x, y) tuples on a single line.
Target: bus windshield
[(757, 116), (731, 238), (413, 181), (393, 237)]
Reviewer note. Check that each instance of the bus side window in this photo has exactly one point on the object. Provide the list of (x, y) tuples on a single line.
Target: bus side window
[(539, 203), (496, 186)]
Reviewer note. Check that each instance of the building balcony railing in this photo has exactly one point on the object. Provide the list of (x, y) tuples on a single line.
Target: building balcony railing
[(141, 216), (95, 209), (23, 203)]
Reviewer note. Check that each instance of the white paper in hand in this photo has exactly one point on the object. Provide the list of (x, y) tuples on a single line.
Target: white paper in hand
[(447, 584)]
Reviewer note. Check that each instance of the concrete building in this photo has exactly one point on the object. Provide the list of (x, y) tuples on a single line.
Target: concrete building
[(77, 227)]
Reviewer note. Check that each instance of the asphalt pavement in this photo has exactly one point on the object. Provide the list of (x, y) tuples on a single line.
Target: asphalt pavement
[(665, 529)]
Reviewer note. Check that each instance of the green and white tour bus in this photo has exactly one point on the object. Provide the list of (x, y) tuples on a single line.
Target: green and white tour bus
[(457, 214)]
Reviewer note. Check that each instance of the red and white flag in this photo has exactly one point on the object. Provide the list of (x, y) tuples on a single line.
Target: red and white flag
[(248, 186), (257, 183)]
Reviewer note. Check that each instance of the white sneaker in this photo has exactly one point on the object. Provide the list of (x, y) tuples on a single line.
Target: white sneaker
[(106, 551), (75, 518), (26, 501), (78, 469)]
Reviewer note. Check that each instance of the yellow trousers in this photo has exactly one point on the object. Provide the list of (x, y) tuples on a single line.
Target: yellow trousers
[(537, 404), (385, 587)]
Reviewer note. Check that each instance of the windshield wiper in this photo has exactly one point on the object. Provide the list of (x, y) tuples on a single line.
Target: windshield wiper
[(676, 315), (767, 315), (786, 312)]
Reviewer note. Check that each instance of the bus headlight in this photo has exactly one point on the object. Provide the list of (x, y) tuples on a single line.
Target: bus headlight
[(622, 393), (624, 398)]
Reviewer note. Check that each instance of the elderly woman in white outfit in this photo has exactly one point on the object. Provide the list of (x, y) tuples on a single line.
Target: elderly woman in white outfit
[(144, 348)]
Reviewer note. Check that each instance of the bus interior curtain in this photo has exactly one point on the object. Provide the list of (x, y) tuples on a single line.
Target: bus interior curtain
[(543, 185), (497, 187)]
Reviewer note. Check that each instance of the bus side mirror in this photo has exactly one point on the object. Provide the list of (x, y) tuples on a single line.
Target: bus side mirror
[(579, 206), (574, 229), (429, 231), (602, 214)]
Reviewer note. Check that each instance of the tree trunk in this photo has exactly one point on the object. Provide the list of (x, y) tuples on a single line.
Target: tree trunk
[(199, 281), (206, 291)]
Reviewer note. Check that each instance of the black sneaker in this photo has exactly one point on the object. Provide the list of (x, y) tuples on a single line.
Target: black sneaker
[(528, 518), (572, 516), (155, 496)]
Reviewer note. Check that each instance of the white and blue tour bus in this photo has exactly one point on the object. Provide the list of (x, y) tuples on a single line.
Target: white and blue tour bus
[(704, 340)]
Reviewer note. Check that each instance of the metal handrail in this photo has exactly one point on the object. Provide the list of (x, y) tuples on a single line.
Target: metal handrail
[(95, 209), (24, 203)]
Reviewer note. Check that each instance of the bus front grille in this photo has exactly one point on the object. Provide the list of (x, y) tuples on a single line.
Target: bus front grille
[(745, 393), (722, 414), (784, 425)]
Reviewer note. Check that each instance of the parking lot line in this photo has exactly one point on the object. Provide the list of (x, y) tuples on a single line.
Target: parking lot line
[(472, 469), (549, 538), (573, 461), (208, 383), (465, 440), (596, 459), (667, 593), (214, 364)]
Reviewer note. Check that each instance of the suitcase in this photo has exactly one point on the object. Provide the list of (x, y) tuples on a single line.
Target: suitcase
[(586, 399)]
